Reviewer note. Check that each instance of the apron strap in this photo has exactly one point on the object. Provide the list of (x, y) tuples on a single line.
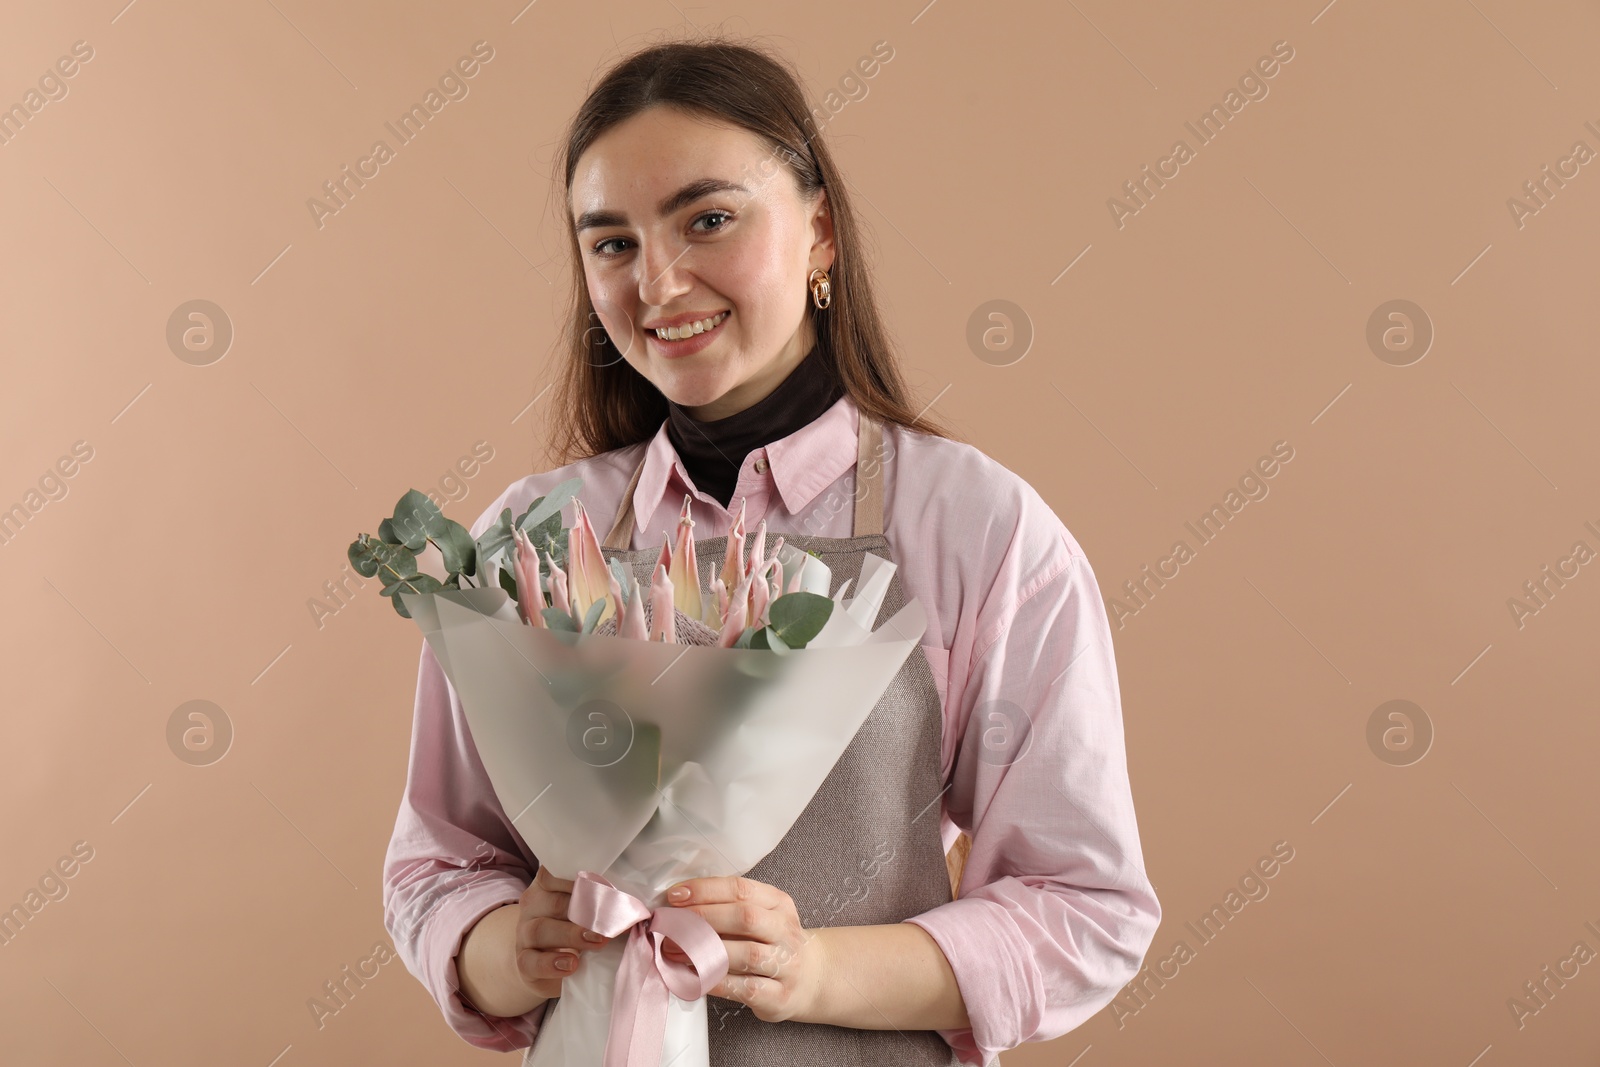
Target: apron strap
[(621, 535), (869, 473), (869, 489)]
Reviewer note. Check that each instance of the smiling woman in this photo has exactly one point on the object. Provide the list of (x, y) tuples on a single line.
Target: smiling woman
[(969, 876)]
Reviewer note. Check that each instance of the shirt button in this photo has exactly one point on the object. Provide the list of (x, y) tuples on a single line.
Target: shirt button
[(761, 465)]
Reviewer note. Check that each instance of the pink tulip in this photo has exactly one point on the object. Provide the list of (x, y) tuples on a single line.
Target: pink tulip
[(661, 623), (760, 592), (558, 586), (775, 575), (530, 595), (733, 562), (588, 578), (733, 625), (665, 559), (756, 568), (719, 596), (758, 548), (764, 589), (685, 568), (633, 616), (616, 597)]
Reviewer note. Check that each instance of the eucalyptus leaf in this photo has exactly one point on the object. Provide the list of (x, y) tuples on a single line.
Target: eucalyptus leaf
[(495, 539), (547, 541), (798, 617), (556, 619), (416, 583), (508, 583), (624, 578), (361, 557), (550, 505), (460, 552), (416, 515), (767, 638), (380, 559), (386, 532), (416, 518), (592, 617)]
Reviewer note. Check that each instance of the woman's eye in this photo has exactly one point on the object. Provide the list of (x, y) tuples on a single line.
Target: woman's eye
[(714, 214), (600, 249)]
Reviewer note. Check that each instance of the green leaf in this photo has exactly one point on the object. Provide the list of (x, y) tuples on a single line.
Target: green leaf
[(624, 577), (386, 532), (361, 557), (495, 539), (379, 559), (416, 583), (592, 617), (767, 638), (798, 617), (556, 619), (745, 638), (508, 582), (549, 505), (548, 540), (417, 518), (460, 552)]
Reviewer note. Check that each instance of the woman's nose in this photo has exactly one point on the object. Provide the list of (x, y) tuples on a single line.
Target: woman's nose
[(662, 273)]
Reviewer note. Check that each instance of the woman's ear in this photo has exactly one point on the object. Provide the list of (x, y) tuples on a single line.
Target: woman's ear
[(822, 244)]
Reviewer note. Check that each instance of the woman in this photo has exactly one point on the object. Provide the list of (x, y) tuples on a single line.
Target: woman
[(725, 347)]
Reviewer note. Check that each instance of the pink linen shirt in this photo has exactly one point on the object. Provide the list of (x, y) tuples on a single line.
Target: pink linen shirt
[(1054, 913)]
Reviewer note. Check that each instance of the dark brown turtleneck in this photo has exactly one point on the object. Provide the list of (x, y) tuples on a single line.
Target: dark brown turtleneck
[(712, 452)]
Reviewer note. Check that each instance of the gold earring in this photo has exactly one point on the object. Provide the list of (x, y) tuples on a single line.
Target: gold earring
[(821, 288)]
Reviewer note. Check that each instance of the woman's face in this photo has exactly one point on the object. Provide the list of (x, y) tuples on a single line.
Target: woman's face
[(682, 219)]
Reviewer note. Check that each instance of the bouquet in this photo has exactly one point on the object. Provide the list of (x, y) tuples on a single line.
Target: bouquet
[(765, 601), (641, 725)]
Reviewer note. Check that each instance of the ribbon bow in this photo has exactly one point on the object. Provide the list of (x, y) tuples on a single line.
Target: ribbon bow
[(639, 1004)]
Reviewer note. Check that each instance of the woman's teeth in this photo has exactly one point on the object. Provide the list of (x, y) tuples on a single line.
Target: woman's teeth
[(689, 329)]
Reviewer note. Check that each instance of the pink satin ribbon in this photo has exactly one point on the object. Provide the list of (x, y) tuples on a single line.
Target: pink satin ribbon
[(639, 997)]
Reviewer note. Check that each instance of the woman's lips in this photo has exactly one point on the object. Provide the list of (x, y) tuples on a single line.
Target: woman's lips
[(686, 346)]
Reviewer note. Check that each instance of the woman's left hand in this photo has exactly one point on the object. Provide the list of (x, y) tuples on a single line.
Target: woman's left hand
[(775, 965)]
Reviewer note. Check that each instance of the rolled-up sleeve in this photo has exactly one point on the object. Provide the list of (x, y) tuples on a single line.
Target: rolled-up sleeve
[(1055, 912), (452, 859)]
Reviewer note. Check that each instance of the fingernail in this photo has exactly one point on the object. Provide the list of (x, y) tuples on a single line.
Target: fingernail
[(565, 963), (590, 935), (678, 893)]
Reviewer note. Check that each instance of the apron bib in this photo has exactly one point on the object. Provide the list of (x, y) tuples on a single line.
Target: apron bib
[(867, 850)]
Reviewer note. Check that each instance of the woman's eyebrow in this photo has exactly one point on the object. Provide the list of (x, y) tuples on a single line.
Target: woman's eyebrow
[(686, 195)]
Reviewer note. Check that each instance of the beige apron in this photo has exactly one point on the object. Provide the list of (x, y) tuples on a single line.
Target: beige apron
[(866, 851)]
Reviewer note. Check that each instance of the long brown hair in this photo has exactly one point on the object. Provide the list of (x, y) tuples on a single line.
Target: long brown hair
[(601, 402)]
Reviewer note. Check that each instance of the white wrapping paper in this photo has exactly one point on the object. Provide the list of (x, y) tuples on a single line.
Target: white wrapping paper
[(651, 763)]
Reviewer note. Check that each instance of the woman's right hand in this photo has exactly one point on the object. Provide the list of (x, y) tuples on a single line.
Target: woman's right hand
[(548, 947)]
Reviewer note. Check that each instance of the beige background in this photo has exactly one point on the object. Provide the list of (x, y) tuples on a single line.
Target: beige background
[(1230, 313)]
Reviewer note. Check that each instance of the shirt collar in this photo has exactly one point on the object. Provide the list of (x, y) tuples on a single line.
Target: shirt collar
[(802, 464)]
